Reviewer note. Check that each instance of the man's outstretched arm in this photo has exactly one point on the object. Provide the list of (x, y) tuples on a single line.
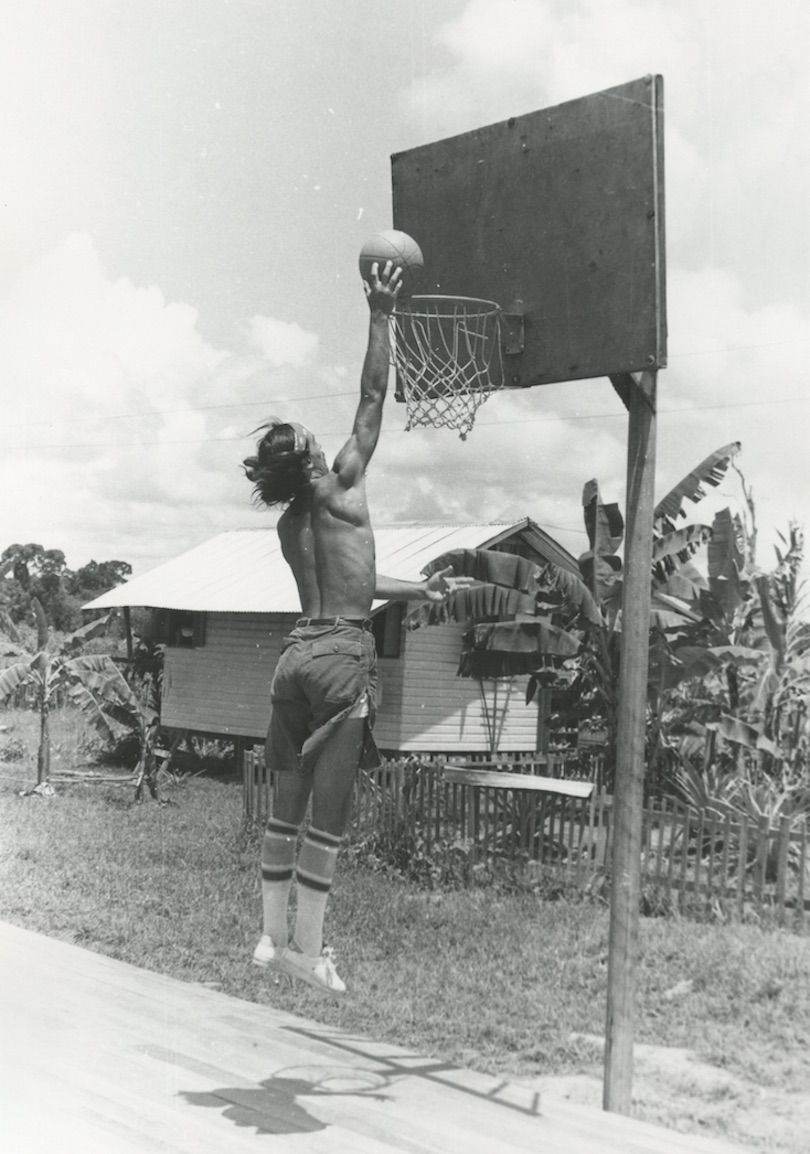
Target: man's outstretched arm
[(381, 292), (434, 588)]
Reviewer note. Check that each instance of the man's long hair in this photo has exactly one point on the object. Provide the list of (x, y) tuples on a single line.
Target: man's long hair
[(279, 470)]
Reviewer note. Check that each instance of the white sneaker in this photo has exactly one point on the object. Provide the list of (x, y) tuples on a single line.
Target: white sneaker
[(268, 954), (317, 971)]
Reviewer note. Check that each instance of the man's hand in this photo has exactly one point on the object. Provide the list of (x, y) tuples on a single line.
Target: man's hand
[(442, 583), (382, 288)]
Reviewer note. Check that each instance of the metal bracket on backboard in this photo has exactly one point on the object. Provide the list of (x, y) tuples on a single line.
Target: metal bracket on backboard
[(512, 328)]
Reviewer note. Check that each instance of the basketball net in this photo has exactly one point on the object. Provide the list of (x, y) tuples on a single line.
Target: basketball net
[(447, 353)]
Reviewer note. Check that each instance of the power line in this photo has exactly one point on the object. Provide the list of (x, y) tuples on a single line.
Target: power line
[(353, 392), (186, 409), (481, 424)]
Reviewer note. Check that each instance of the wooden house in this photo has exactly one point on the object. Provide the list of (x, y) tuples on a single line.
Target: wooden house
[(224, 607)]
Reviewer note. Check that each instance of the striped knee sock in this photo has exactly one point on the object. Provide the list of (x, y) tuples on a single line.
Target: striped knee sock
[(316, 868), (278, 859)]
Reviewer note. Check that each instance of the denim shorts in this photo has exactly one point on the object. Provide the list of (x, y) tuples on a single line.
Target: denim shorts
[(327, 674)]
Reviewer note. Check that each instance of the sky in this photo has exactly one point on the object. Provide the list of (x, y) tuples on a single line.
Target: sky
[(186, 185)]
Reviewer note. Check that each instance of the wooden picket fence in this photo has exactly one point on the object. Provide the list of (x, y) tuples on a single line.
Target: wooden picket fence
[(694, 862)]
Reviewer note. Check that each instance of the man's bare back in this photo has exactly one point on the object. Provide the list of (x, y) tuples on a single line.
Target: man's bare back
[(328, 542)]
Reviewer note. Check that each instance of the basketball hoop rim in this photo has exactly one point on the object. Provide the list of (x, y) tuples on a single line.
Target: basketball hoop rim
[(432, 303)]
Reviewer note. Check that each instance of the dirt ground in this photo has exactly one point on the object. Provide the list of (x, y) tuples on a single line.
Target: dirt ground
[(674, 1088)]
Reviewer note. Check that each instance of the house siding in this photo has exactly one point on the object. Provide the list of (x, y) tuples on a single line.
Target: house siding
[(223, 687), (426, 707)]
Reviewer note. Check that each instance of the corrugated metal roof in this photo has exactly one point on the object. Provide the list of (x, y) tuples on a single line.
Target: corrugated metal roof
[(243, 570)]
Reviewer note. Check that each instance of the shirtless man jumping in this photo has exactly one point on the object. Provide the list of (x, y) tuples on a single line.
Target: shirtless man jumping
[(325, 687)]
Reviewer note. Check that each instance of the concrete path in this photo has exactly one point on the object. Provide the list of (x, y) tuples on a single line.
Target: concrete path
[(99, 1056)]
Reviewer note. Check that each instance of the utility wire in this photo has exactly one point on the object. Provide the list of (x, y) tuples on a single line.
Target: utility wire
[(481, 424), (353, 392)]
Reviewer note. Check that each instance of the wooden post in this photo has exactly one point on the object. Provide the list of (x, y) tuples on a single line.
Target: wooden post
[(128, 629), (640, 398)]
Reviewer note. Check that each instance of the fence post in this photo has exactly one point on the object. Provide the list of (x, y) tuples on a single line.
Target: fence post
[(672, 839), (802, 870), (761, 867), (783, 846), (687, 829), (246, 766), (699, 856), (742, 865)]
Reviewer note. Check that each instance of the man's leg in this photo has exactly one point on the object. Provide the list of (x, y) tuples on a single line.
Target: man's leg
[(333, 779), (288, 730), (278, 852)]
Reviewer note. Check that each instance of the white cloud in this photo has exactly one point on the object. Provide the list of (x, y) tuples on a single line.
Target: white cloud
[(120, 430), (281, 342)]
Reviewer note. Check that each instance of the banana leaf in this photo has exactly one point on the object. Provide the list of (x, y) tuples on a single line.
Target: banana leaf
[(697, 661), (477, 602), (15, 676), (685, 584), (742, 733), (726, 557), (42, 623), (91, 707), (536, 637), (676, 548), (101, 671), (691, 488), (670, 612), (575, 593), (100, 709), (774, 627), (490, 568), (86, 632), (488, 663), (604, 524)]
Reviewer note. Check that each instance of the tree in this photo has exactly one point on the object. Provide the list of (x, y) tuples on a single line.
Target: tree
[(33, 571), (96, 577)]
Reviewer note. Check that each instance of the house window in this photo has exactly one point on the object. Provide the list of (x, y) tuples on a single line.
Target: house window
[(387, 629), (179, 628), (186, 629)]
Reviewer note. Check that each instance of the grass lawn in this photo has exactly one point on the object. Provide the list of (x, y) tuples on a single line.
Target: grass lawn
[(499, 981)]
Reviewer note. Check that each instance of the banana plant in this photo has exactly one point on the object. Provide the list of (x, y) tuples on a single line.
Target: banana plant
[(559, 618), (93, 682)]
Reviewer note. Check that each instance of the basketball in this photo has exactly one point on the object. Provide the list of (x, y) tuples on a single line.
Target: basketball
[(401, 249)]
